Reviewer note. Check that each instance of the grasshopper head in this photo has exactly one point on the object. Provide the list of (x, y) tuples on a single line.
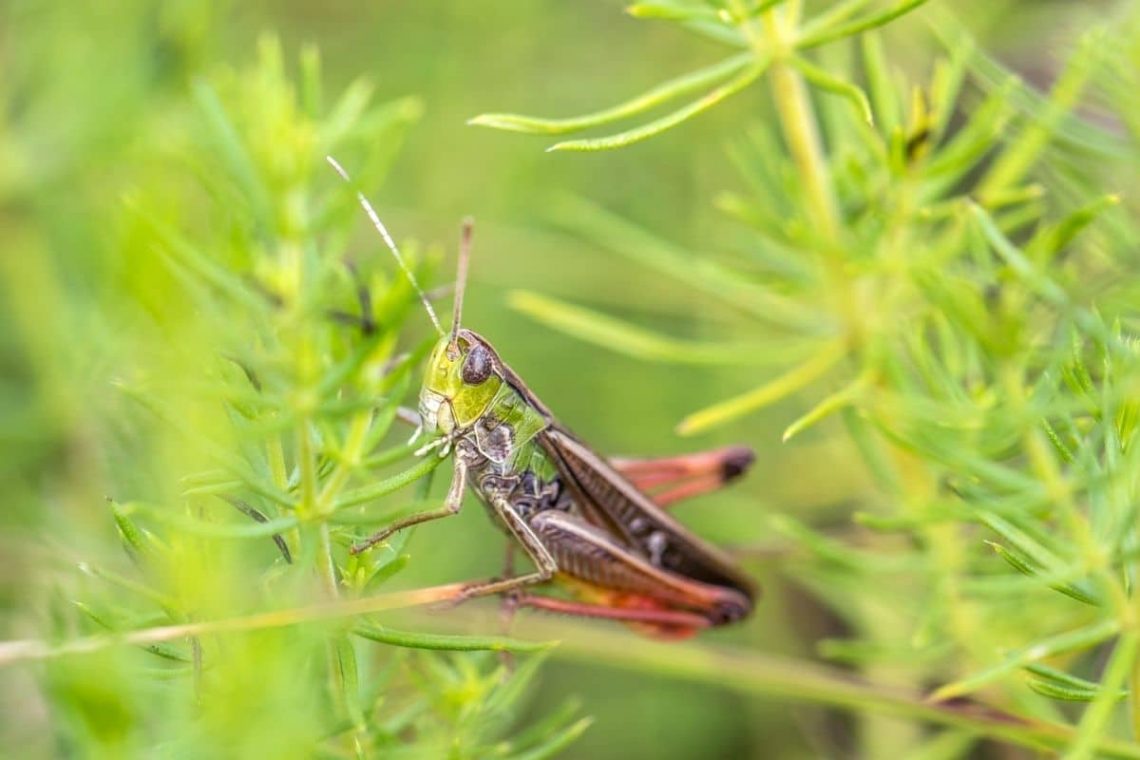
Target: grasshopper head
[(461, 380), (463, 373)]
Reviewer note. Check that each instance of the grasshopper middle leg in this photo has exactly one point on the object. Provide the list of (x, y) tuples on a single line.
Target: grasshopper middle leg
[(450, 507)]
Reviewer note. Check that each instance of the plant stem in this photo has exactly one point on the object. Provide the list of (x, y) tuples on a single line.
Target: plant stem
[(801, 132), (19, 650), (307, 467), (793, 680), (1097, 715), (350, 455), (1025, 148), (797, 119), (1134, 698), (326, 568)]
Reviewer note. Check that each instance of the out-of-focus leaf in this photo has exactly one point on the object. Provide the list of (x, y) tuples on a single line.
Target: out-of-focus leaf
[(1079, 639), (768, 393), (663, 93), (447, 642), (657, 126), (630, 340)]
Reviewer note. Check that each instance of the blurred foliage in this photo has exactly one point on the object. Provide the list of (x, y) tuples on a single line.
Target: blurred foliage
[(244, 380), (960, 296), (923, 279)]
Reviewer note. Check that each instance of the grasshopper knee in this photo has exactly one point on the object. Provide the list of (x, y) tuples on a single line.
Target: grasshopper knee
[(737, 460), (731, 608)]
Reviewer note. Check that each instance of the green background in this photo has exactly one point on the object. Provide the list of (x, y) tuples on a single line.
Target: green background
[(76, 82)]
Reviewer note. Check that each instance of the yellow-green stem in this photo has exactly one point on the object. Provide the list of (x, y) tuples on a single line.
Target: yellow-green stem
[(1134, 698), (797, 119), (275, 456), (307, 466), (350, 455), (801, 133), (325, 566), (1132, 623), (22, 650), (1097, 715)]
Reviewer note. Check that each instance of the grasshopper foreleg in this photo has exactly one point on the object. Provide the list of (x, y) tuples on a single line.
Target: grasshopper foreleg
[(450, 507), (409, 417)]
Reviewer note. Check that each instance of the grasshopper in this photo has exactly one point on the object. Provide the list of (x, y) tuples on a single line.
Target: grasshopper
[(585, 522)]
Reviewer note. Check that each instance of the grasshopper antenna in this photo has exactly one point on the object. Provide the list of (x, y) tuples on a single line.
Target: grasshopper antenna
[(461, 276), (379, 225)]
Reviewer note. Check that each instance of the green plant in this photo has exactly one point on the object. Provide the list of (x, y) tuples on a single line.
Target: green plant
[(958, 295), (241, 368), (933, 281)]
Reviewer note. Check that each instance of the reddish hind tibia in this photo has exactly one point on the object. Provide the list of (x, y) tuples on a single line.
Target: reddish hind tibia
[(671, 479), (644, 614)]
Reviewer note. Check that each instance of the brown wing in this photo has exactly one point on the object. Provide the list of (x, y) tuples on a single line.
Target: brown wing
[(642, 524)]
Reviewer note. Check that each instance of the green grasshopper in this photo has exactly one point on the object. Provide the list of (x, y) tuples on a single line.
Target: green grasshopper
[(583, 521)]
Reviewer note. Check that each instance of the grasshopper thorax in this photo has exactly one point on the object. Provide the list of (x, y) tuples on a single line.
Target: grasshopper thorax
[(463, 375)]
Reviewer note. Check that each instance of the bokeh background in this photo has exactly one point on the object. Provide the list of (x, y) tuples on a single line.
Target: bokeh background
[(81, 84)]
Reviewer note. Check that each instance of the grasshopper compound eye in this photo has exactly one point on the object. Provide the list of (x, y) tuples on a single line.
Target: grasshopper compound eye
[(477, 365)]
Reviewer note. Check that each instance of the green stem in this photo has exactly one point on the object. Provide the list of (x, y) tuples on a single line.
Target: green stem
[(1134, 698), (350, 456), (801, 132), (275, 455), (797, 119), (1097, 715), (1025, 148), (793, 680), (21, 650), (307, 466), (326, 568)]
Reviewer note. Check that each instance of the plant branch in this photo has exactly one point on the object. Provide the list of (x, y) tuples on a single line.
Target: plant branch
[(20, 650), (797, 119), (788, 679)]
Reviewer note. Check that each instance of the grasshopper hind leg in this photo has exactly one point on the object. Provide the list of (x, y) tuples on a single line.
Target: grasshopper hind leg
[(535, 549), (668, 480), (638, 612), (591, 556), (509, 601)]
